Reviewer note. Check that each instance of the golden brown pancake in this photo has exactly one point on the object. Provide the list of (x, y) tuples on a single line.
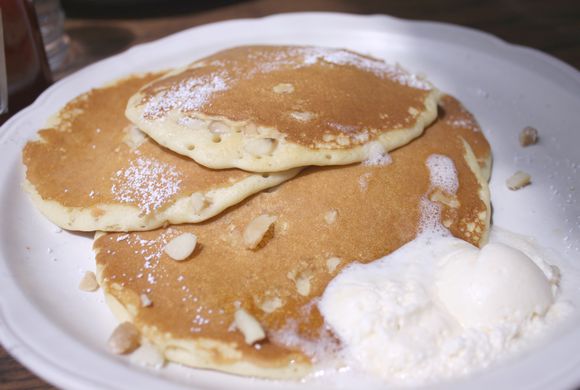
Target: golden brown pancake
[(271, 108), (353, 213), (93, 170)]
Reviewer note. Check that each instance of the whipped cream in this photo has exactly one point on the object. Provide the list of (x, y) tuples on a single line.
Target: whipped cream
[(438, 308), (495, 285)]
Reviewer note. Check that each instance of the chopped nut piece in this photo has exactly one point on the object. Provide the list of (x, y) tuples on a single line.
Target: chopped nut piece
[(198, 202), (283, 88), (302, 116), (303, 285), (330, 216), (192, 123), (518, 180), (361, 137), (332, 263), (301, 280), (449, 200), (255, 231), (528, 136), (271, 305), (89, 282), (124, 339), (250, 129), (133, 137), (260, 146), (249, 326), (284, 226), (147, 355), (328, 137), (413, 111), (343, 140), (145, 300), (217, 127), (181, 247)]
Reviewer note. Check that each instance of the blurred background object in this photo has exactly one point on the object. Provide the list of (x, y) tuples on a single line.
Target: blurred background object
[(27, 70), (51, 21), (96, 29), (3, 76), (138, 9)]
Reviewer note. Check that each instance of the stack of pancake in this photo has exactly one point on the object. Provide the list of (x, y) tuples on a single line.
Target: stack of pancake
[(328, 146)]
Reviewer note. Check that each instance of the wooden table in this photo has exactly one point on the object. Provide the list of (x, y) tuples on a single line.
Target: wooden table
[(551, 26)]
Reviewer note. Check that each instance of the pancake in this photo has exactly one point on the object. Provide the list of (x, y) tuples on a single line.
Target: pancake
[(92, 169), (456, 115), (326, 218), (271, 108)]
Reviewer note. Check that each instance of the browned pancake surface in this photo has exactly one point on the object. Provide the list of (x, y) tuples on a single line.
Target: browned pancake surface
[(377, 211), (84, 160), (343, 93), (456, 115)]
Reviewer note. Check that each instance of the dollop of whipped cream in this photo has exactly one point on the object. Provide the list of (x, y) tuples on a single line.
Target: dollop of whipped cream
[(492, 286), (438, 308)]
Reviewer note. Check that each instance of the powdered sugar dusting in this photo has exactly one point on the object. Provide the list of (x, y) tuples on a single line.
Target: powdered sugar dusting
[(151, 251), (194, 92), (377, 155), (343, 128), (464, 123), (147, 182), (377, 67), (189, 95), (463, 120)]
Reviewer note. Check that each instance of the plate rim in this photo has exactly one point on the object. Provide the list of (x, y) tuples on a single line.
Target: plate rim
[(34, 359)]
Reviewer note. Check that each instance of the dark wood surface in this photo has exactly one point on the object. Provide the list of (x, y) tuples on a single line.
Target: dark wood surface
[(551, 26)]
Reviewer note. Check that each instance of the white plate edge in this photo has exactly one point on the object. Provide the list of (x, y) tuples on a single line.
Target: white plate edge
[(33, 359)]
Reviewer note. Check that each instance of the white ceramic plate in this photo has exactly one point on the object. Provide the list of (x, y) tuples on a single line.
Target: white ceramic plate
[(60, 333)]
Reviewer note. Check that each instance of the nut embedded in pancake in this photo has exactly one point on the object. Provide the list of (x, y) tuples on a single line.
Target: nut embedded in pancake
[(313, 105), (249, 326), (94, 170), (278, 284), (181, 247), (257, 229), (124, 339)]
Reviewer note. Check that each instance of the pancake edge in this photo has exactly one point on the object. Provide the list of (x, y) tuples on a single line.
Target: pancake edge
[(198, 353), (181, 139), (481, 170), (123, 218)]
